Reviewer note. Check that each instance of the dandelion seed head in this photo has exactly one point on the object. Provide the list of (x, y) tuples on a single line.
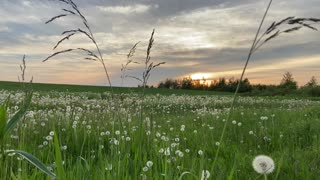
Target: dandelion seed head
[(263, 164), (205, 175), (149, 164)]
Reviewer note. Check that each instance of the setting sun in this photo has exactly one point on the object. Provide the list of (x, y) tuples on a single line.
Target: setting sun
[(199, 76)]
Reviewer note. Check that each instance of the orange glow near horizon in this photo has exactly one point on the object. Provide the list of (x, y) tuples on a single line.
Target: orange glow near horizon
[(200, 76)]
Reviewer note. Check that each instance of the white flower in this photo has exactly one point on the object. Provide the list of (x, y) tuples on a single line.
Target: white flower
[(49, 138), (250, 132), (200, 152), (263, 164), (167, 152), (109, 167), (217, 143), (234, 122), (145, 169), (149, 164), (205, 175), (51, 133)]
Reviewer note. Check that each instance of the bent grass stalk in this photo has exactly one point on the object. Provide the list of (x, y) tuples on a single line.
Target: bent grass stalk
[(238, 86), (74, 11), (258, 42)]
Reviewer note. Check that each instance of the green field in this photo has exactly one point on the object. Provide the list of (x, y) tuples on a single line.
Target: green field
[(6, 85), (113, 137)]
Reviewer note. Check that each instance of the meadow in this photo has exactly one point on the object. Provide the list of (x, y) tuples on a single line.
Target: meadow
[(162, 136), (91, 132)]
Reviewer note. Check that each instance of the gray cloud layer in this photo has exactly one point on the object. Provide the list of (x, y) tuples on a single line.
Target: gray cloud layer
[(209, 36)]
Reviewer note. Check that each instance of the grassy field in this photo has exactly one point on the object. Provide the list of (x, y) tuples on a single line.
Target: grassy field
[(130, 136), (6, 85)]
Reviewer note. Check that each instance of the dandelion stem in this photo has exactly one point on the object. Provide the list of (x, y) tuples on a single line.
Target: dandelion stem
[(239, 83)]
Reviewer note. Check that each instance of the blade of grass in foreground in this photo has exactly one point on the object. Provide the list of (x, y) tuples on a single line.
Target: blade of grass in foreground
[(59, 163), (33, 160), (238, 86)]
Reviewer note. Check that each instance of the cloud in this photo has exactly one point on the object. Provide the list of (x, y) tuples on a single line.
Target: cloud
[(127, 10), (191, 36)]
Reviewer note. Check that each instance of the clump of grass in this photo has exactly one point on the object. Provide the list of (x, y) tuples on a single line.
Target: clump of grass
[(124, 67), (73, 10), (6, 126), (149, 65)]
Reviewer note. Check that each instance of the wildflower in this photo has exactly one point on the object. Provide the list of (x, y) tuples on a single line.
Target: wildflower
[(49, 138), (109, 167), (250, 132), (264, 118), (167, 152), (51, 133), (64, 147), (116, 142), (205, 175), (195, 131), (149, 164), (200, 152), (234, 122), (145, 169), (263, 164), (217, 143)]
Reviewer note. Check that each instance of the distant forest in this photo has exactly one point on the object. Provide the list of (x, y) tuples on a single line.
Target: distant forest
[(287, 86)]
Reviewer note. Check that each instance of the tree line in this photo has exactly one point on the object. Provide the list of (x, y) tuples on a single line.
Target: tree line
[(287, 86)]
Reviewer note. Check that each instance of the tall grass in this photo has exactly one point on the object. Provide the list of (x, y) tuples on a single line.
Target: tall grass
[(273, 31), (73, 10)]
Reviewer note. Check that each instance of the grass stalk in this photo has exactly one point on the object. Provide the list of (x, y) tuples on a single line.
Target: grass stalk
[(239, 84)]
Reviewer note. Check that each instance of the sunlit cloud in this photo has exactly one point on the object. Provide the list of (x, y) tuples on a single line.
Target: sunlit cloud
[(127, 10), (191, 37)]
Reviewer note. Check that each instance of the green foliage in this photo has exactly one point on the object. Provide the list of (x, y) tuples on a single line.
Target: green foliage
[(33, 160), (3, 118), (60, 170), (288, 82), (19, 115)]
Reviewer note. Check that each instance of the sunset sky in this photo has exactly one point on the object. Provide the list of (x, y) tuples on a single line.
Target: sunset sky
[(210, 37)]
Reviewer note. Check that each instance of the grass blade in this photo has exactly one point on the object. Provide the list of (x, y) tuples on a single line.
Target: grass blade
[(33, 160), (18, 116), (60, 170)]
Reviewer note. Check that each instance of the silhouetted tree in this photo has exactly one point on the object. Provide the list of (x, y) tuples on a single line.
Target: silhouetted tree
[(312, 83), (186, 83), (288, 82)]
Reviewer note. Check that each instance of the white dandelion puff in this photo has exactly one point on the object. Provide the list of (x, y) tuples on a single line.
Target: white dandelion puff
[(263, 164), (205, 175), (149, 164)]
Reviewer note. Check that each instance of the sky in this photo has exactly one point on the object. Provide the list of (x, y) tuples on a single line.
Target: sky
[(192, 36)]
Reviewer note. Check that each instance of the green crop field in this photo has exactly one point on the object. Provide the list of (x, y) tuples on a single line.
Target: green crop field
[(6, 85), (160, 135)]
